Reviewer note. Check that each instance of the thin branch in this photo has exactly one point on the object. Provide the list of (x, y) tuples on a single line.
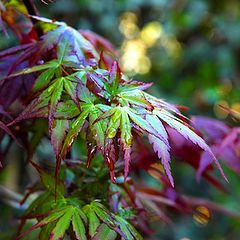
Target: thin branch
[(32, 10)]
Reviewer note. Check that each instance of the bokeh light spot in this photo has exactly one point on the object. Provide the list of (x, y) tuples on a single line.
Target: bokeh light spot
[(128, 25), (151, 32), (134, 59), (219, 111), (202, 215)]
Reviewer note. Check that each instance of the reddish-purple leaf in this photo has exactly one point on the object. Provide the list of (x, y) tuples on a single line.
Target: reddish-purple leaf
[(95, 85), (229, 149), (127, 159), (102, 63), (214, 130), (132, 84), (91, 146), (205, 160), (115, 75), (186, 132), (111, 155), (100, 43), (162, 151), (36, 109)]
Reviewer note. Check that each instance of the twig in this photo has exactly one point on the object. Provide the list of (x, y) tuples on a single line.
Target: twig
[(32, 10)]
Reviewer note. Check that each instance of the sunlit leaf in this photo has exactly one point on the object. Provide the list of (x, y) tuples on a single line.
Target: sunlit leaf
[(78, 227)]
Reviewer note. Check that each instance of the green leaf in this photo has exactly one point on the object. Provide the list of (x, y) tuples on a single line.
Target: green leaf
[(114, 124), (135, 97), (56, 90), (103, 107), (130, 233), (71, 89), (46, 231), (63, 47), (126, 135), (59, 132), (104, 232), (98, 128), (62, 224), (115, 77), (120, 119), (73, 132), (49, 182), (53, 217), (43, 80), (67, 110), (85, 95), (103, 213), (93, 221), (141, 122), (82, 215), (126, 139), (78, 227), (37, 68), (36, 206)]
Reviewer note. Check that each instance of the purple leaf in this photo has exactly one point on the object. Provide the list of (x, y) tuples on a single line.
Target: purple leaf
[(95, 84), (162, 151), (229, 149), (205, 160), (186, 132), (97, 41), (36, 109), (214, 130), (111, 156)]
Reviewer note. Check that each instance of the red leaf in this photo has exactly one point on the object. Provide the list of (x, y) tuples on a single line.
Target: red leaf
[(115, 74), (127, 159)]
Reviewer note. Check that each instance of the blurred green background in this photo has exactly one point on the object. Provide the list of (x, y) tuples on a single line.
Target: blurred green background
[(191, 51)]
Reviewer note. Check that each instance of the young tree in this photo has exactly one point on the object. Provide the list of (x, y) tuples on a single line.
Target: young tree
[(71, 92)]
